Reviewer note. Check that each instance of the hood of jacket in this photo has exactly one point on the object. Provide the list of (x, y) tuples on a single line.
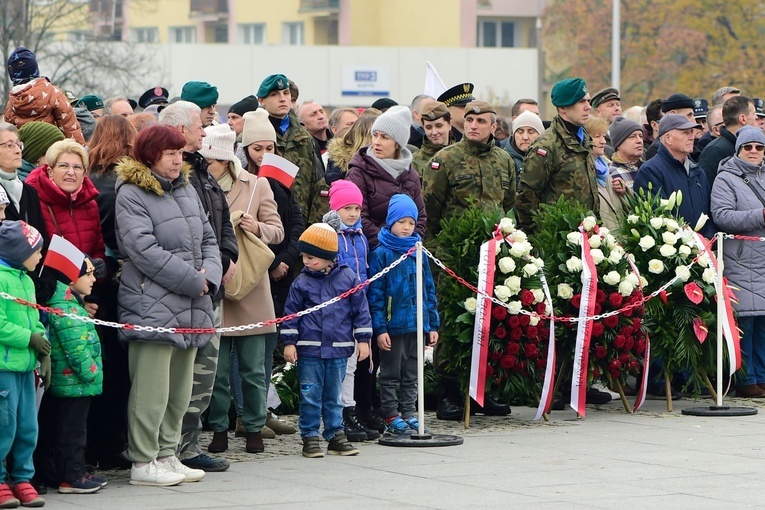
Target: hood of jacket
[(737, 166), (50, 193), (132, 171), (339, 153)]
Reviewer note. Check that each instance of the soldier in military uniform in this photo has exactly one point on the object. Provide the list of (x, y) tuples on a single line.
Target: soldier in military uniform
[(296, 145), (436, 121), (476, 169), (560, 162), (455, 100)]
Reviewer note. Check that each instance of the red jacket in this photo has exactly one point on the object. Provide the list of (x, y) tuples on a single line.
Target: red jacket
[(76, 220)]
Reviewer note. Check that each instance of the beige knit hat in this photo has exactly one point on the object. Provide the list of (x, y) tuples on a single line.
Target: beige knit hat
[(528, 119), (219, 143), (257, 128)]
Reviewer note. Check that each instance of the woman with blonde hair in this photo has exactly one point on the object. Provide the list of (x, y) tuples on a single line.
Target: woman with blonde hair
[(342, 148), (611, 205)]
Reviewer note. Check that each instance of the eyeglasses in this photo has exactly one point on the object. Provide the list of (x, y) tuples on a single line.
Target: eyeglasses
[(65, 167), (749, 146), (10, 144)]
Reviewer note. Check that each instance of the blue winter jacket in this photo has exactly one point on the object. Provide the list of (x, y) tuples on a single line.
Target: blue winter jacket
[(667, 174), (353, 249), (393, 298), (330, 332)]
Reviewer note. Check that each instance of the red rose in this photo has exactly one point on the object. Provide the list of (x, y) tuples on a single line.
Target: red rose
[(636, 323), (600, 296), (532, 332), (595, 373), (615, 299), (628, 312), (598, 308), (626, 331), (600, 352), (531, 352), (513, 321), (611, 321), (513, 348), (640, 347), (527, 297), (619, 342), (516, 334), (524, 320), (541, 308), (540, 364), (630, 343), (489, 371), (499, 312), (576, 301), (597, 329), (507, 362), (615, 365), (544, 332), (633, 366), (500, 332), (624, 358), (495, 355), (496, 381), (568, 324)]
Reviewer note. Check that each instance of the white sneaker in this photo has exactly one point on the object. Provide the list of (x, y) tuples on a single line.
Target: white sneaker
[(154, 474), (602, 387), (174, 465)]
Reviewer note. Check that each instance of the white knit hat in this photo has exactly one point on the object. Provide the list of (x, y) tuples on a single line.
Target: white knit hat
[(257, 127), (528, 119), (219, 143), (395, 123)]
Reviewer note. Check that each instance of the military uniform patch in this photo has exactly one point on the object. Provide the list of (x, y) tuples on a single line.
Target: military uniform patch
[(541, 152), (435, 165)]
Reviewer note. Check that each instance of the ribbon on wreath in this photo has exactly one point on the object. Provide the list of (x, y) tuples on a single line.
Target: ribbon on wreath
[(546, 398), (643, 382), (584, 329), (481, 329)]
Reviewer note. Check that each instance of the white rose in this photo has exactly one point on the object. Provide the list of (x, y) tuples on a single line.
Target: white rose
[(669, 238), (597, 256), (538, 262), (533, 320), (502, 293), (626, 288), (539, 295), (688, 237), (684, 250), (574, 238), (506, 265), (633, 219), (615, 256), (646, 243), (702, 221), (518, 250), (594, 241), (530, 269), (667, 250), (519, 236), (708, 275), (574, 265), (610, 241), (612, 278), (671, 224), (514, 307), (514, 284), (506, 225), (683, 273), (643, 282), (589, 223), (655, 266), (656, 222), (704, 260), (632, 278), (603, 231), (565, 291), (471, 304)]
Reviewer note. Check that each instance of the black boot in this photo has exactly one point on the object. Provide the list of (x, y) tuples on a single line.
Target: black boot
[(449, 408), (353, 429), (351, 417), (491, 407), (371, 419)]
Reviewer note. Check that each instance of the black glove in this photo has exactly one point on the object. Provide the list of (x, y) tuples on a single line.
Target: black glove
[(45, 371), (39, 343)]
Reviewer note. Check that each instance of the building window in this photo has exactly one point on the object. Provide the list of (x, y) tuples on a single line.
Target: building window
[(496, 34), (292, 34), (252, 34), (183, 35), (221, 34), (145, 35), (78, 36)]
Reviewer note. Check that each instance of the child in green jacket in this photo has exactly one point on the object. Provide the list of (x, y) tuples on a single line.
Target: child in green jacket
[(22, 341)]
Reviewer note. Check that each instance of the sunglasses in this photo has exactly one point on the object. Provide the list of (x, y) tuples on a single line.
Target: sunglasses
[(749, 146)]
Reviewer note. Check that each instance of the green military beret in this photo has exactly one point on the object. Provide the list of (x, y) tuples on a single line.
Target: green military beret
[(92, 102), (200, 93), (478, 107), (567, 92), (271, 83)]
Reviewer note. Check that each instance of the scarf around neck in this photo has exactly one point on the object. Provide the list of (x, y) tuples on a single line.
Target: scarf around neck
[(601, 170), (394, 167), (13, 186), (398, 244)]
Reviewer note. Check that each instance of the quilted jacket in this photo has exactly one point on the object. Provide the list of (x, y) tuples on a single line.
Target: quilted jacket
[(17, 322), (42, 101)]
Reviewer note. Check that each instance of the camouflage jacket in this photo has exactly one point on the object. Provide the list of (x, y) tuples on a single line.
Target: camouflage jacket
[(296, 145), (423, 156), (465, 171), (557, 164)]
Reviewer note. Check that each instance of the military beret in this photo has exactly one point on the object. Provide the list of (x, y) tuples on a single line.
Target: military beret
[(200, 93), (478, 107), (271, 83), (567, 92), (459, 95), (157, 95), (700, 108), (759, 106), (675, 102), (92, 102), (433, 110), (604, 95), (248, 104)]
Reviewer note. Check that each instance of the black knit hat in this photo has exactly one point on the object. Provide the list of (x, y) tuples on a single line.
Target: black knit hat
[(248, 104)]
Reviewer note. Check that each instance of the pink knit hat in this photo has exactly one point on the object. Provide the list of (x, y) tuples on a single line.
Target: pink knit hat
[(342, 193)]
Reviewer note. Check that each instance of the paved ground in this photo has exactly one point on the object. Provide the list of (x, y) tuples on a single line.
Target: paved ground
[(653, 459)]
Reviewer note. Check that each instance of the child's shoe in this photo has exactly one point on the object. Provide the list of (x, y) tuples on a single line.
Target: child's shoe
[(84, 485), (27, 495), (7, 499), (103, 482), (414, 424), (339, 445), (312, 447), (397, 426)]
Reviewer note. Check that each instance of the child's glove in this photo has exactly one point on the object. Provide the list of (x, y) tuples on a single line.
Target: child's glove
[(39, 343), (45, 371)]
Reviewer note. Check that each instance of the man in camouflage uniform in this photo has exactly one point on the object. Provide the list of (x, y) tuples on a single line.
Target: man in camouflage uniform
[(560, 162), (473, 169), (295, 144)]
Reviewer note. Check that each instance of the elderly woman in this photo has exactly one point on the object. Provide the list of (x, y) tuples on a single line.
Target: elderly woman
[(253, 197), (738, 207), (612, 209), (171, 267)]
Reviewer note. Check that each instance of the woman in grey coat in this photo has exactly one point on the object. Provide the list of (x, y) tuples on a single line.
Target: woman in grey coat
[(738, 207), (172, 265)]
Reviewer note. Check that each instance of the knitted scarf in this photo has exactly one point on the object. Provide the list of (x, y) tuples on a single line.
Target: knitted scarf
[(398, 244), (601, 170)]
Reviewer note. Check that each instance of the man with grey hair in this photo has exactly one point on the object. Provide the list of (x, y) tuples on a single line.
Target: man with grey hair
[(119, 105), (416, 131), (723, 94), (186, 118)]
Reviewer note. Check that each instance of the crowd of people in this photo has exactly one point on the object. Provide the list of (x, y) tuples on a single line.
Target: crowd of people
[(178, 230)]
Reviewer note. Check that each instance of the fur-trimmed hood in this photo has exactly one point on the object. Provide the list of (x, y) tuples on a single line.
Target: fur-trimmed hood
[(339, 153), (132, 171)]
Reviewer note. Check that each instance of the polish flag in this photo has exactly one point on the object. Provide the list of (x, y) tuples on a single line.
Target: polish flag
[(278, 168), (64, 257)]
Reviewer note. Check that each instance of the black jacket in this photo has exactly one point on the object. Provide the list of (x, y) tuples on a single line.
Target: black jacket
[(724, 146), (216, 206)]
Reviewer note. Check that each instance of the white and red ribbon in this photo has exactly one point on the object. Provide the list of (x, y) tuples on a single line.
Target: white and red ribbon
[(548, 385), (584, 329), (643, 382)]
